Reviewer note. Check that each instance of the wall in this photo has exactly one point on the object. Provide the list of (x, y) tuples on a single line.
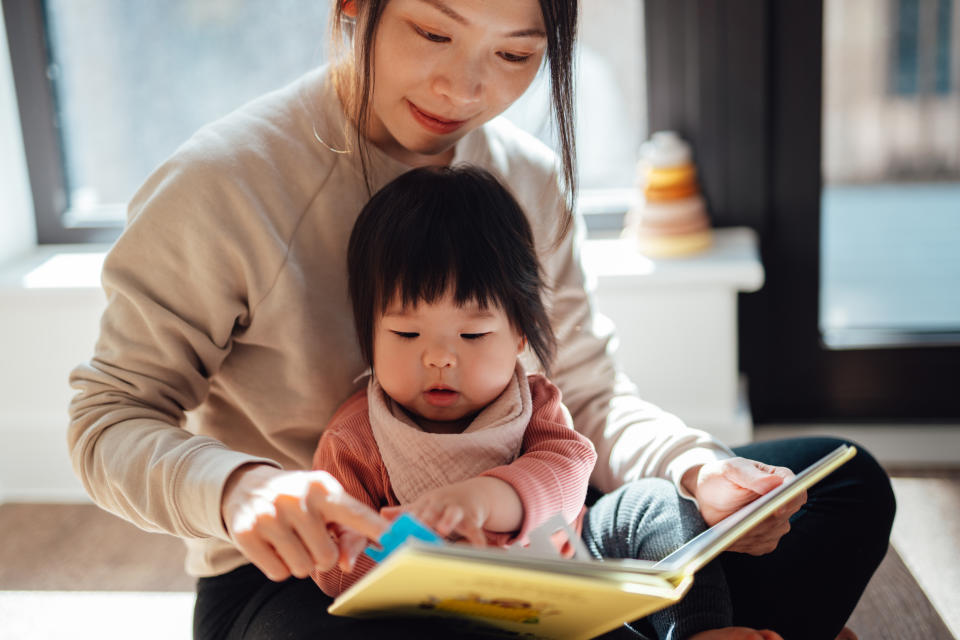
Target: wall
[(44, 333)]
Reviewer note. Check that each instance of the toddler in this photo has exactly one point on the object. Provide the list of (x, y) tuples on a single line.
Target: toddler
[(447, 294)]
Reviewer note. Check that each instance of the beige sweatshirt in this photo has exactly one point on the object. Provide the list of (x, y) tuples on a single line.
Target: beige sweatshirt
[(228, 335)]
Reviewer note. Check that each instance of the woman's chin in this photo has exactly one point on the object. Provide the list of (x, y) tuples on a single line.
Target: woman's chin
[(422, 153)]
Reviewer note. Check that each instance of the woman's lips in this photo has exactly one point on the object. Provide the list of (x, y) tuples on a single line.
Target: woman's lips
[(441, 397), (432, 123)]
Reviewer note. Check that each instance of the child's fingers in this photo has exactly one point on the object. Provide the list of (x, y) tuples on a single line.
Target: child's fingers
[(473, 532), (449, 518), (429, 514)]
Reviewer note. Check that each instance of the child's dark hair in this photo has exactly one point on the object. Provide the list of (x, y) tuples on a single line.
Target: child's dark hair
[(439, 228)]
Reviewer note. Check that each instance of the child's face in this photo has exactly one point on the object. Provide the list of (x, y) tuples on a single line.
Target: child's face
[(443, 362)]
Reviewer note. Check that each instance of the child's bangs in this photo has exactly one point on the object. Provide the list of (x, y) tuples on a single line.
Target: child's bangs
[(426, 272)]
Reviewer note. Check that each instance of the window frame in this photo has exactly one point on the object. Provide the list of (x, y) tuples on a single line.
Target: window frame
[(30, 59)]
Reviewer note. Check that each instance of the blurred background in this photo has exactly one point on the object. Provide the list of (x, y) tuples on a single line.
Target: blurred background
[(826, 139)]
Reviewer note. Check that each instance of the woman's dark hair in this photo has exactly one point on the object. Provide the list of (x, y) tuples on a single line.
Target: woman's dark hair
[(436, 229), (560, 22)]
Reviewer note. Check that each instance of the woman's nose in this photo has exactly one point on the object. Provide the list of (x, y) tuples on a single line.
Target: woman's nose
[(461, 81)]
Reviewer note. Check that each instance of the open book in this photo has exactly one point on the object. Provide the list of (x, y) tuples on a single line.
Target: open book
[(532, 596)]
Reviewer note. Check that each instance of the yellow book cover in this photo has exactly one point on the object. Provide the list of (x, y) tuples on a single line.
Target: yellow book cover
[(531, 596)]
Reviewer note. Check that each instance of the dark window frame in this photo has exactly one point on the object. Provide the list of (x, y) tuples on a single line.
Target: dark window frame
[(741, 79), (30, 58)]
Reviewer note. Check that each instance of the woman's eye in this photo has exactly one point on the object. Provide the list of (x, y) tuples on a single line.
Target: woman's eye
[(514, 57), (407, 335), (432, 37), (473, 336)]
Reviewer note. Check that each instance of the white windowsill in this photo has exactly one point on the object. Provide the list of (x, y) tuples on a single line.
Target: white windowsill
[(732, 260), (62, 269), (51, 270)]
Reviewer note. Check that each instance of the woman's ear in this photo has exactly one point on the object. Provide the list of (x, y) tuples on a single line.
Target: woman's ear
[(349, 8), (522, 345)]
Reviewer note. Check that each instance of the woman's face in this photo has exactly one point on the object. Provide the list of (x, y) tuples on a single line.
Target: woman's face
[(444, 67)]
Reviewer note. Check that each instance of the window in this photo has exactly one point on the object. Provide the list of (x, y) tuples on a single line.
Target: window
[(611, 110), (116, 86), (919, 47), (129, 82), (743, 81), (890, 205)]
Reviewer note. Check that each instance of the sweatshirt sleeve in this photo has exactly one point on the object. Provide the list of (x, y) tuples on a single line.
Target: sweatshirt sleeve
[(633, 438), (553, 470), (178, 285)]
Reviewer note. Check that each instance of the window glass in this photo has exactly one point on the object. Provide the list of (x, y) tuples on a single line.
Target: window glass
[(891, 173), (611, 102), (133, 80)]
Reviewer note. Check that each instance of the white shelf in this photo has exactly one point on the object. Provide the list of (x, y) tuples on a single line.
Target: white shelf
[(676, 324), (731, 261)]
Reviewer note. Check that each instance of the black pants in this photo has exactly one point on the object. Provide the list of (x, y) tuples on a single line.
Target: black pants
[(805, 590)]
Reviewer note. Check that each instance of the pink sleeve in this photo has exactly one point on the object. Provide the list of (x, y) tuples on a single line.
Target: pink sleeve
[(553, 470), (343, 453)]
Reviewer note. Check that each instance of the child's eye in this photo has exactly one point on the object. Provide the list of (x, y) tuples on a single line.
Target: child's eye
[(513, 57), (408, 335), (473, 336), (432, 37)]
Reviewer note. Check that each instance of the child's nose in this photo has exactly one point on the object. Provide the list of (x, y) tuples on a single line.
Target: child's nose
[(439, 356)]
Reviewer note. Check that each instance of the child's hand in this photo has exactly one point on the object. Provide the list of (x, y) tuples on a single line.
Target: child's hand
[(459, 508), (465, 508)]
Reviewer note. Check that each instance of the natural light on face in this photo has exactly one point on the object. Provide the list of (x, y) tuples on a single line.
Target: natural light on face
[(441, 361), (445, 67)]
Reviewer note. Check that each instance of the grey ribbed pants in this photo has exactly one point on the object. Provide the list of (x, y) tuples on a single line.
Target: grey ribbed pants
[(647, 520)]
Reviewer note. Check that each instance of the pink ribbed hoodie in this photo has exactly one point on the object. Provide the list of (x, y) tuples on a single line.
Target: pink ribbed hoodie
[(550, 472)]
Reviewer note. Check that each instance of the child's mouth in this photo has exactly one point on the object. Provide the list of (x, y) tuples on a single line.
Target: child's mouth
[(441, 397)]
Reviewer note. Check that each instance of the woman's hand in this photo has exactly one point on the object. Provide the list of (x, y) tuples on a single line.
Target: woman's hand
[(288, 522), (724, 486), (464, 509)]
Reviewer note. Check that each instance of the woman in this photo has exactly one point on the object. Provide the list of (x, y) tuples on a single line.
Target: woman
[(227, 300)]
